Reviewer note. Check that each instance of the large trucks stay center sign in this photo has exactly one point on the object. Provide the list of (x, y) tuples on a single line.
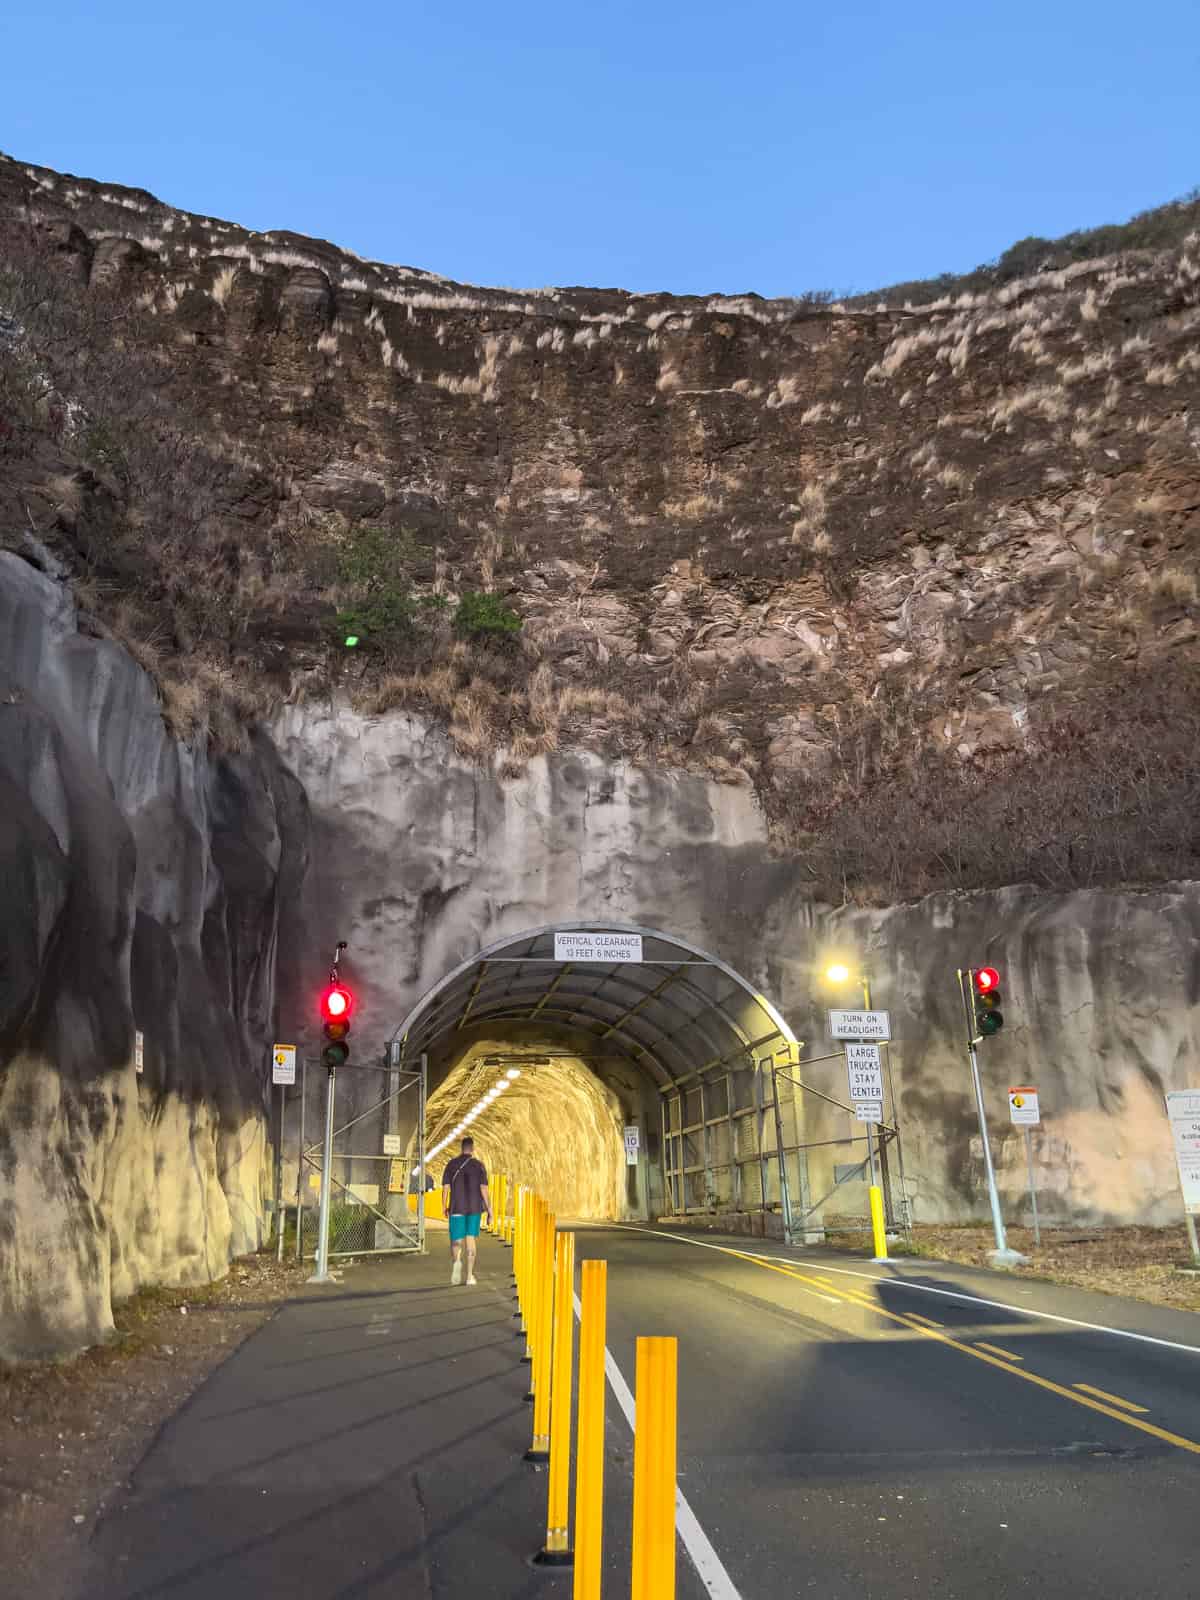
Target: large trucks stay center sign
[(597, 947)]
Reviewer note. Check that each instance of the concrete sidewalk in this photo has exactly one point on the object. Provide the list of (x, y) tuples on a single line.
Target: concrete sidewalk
[(366, 1442)]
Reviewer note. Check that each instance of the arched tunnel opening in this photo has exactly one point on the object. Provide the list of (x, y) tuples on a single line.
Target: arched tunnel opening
[(548, 1046)]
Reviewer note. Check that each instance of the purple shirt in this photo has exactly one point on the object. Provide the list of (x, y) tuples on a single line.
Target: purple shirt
[(465, 1177)]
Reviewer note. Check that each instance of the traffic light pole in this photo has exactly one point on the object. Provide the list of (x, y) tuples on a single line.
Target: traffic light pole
[(329, 1056), (1001, 1256), (321, 1275)]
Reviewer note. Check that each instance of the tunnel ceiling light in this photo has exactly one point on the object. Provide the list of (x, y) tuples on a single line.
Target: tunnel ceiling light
[(513, 1072)]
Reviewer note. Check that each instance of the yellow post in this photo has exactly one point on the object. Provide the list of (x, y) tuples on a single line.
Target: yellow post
[(877, 1224), (539, 1450), (589, 1441), (532, 1293), (557, 1550), (654, 1470)]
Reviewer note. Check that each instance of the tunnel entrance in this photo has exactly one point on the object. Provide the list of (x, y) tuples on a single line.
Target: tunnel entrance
[(558, 1041)]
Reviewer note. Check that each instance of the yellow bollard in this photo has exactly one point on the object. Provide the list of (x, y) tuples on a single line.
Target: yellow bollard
[(522, 1230), (531, 1302), (654, 1470), (589, 1440), (877, 1223), (557, 1550), (539, 1450)]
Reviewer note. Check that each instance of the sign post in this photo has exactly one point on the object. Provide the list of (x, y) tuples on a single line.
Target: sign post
[(283, 1072), (864, 1072), (1025, 1112), (862, 1032), (1183, 1112)]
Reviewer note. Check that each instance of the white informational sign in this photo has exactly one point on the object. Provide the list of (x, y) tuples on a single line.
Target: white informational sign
[(139, 1052), (392, 1145), (868, 1110), (864, 1069), (1183, 1109), (860, 1025), (632, 1145), (283, 1063), (597, 947), (1023, 1108)]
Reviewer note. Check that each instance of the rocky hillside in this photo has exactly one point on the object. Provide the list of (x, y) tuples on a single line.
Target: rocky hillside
[(922, 574)]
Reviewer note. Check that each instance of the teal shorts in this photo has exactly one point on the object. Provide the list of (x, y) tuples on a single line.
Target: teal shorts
[(464, 1227)]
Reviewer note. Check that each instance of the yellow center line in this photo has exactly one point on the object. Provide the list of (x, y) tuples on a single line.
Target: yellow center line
[(928, 1321), (996, 1351), (1105, 1410), (1113, 1399)]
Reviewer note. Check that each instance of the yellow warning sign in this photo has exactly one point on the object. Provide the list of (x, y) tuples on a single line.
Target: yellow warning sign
[(396, 1177)]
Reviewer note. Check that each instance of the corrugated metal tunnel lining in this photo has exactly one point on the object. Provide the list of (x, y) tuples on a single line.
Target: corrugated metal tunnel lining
[(679, 1011), (672, 1039)]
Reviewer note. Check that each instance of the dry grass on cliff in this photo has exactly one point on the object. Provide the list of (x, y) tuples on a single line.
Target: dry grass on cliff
[(1106, 793)]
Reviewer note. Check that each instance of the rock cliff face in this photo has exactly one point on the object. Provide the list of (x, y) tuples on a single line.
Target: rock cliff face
[(154, 887), (424, 857), (144, 883), (781, 543), (826, 556)]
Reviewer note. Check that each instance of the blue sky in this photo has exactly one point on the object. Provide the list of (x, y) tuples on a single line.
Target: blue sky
[(772, 146)]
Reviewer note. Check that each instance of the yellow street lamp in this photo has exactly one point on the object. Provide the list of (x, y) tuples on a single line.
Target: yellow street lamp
[(839, 972)]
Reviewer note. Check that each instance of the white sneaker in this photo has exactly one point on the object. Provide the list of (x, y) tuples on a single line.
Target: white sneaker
[(456, 1273), (471, 1281)]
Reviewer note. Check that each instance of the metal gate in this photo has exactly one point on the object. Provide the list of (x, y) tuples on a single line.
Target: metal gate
[(370, 1207), (825, 1158)]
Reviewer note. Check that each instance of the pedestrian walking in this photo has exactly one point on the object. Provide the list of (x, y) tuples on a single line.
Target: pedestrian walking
[(464, 1199)]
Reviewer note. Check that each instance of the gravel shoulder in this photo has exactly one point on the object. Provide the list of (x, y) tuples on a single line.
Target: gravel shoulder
[(1139, 1263)]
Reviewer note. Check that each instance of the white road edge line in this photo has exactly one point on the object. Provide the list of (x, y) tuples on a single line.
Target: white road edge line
[(704, 1558), (924, 1288)]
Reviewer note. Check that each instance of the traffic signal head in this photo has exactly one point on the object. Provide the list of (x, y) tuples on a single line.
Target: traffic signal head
[(337, 1002), (989, 1018)]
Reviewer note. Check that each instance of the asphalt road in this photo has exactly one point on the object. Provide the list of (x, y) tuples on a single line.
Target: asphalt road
[(843, 1431)]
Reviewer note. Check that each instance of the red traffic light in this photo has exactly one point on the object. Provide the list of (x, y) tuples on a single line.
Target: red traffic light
[(337, 1003), (986, 978)]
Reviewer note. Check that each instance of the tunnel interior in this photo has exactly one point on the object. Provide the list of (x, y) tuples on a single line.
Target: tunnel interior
[(546, 1050)]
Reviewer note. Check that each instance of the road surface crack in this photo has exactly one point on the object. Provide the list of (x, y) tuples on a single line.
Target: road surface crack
[(426, 1572)]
